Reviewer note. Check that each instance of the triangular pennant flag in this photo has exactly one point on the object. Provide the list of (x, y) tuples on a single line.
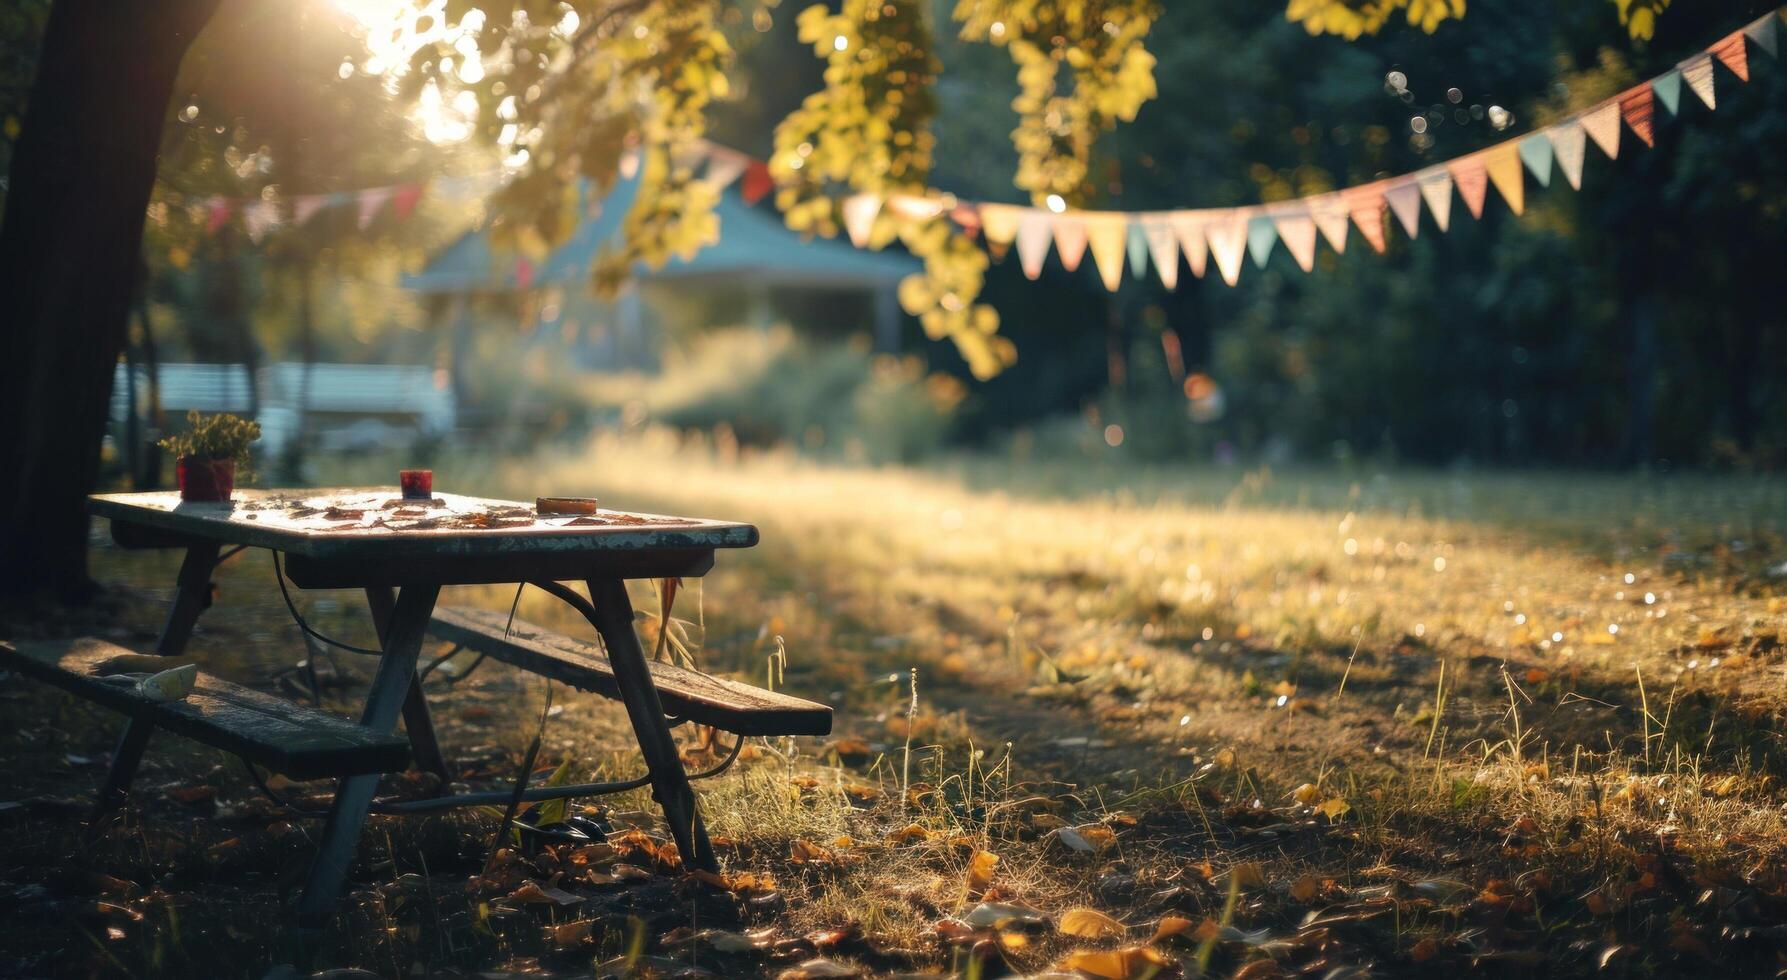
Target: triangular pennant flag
[(1471, 180), (1536, 153), (1404, 197), (1331, 219), (1602, 125), (1731, 53), (724, 165), (1568, 143), (305, 206), (371, 200), (916, 207), (1138, 250), (1034, 232), (403, 202), (757, 182), (1502, 162), (1107, 233), (1698, 72), (1668, 87), (217, 214), (999, 223), (260, 217), (1366, 206), (1163, 246), (859, 217), (1436, 189), (1762, 31), (1227, 234), (1296, 229), (966, 215), (1635, 107), (1070, 241), (1261, 236), (1189, 225)]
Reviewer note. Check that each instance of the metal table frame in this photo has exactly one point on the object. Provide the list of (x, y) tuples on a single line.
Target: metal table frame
[(401, 573)]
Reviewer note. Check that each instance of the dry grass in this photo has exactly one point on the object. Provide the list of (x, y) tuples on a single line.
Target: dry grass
[(1559, 690)]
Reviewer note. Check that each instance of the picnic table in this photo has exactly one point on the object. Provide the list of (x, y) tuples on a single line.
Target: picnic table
[(401, 552)]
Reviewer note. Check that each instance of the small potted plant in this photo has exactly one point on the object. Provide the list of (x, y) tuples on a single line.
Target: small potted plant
[(207, 453)]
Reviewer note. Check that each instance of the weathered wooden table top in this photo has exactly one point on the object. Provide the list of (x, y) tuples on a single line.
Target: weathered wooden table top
[(375, 522)]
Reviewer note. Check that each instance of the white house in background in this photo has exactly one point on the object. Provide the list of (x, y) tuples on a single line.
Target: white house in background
[(348, 406)]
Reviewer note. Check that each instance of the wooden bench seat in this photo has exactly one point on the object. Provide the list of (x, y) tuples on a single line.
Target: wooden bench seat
[(728, 705), (288, 738)]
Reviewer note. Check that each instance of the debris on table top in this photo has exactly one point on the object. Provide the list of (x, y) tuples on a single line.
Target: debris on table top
[(364, 511)]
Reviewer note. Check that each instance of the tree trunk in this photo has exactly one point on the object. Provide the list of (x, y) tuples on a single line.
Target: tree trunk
[(82, 171)]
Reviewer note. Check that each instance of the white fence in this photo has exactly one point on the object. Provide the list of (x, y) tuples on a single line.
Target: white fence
[(349, 406)]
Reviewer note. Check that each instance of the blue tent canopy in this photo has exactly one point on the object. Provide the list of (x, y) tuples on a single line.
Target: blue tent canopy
[(754, 246)]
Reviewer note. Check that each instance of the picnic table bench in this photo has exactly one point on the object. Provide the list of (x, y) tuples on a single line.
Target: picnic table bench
[(401, 553)]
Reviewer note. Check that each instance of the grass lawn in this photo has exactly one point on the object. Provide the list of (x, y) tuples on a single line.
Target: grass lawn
[(1090, 715)]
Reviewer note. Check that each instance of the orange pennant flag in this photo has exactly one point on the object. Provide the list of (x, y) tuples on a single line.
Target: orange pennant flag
[(1227, 234), (1329, 215), (1107, 232), (1189, 226), (1602, 125), (1471, 180), (1636, 105), (1502, 162), (1070, 240), (1730, 52), (1296, 229), (1366, 205)]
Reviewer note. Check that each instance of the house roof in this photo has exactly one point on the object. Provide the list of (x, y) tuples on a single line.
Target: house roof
[(754, 245)]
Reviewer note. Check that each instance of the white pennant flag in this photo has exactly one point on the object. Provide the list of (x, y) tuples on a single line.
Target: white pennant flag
[(1228, 242), (859, 217), (1296, 229), (1404, 197), (1436, 190), (724, 166), (1330, 216), (1163, 247), (1034, 233), (1698, 73), (1602, 125), (372, 200), (1189, 226), (1568, 141), (305, 206)]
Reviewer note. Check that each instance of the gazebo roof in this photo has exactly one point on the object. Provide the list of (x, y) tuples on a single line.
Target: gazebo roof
[(753, 245)]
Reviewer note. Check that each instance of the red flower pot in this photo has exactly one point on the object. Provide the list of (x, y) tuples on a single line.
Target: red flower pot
[(204, 479)]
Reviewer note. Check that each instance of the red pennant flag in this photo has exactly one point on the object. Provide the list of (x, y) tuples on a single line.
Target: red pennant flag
[(757, 183), (217, 214), (1366, 206), (967, 217), (524, 272), (1730, 52), (404, 200), (1637, 104), (1472, 181)]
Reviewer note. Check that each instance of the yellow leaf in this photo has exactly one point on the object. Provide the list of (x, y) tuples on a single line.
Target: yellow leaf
[(980, 870), (1091, 924), (1306, 794), (907, 834), (1305, 888), (1118, 964), (1334, 809), (1170, 925), (1248, 874)]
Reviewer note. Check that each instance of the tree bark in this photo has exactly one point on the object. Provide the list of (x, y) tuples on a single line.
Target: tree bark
[(82, 171)]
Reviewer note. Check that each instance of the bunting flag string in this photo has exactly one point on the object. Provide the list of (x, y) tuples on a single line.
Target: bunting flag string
[(1162, 238)]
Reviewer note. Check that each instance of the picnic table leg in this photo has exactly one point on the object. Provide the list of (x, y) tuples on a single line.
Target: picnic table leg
[(670, 784), (125, 760), (396, 670), (191, 597), (416, 719)]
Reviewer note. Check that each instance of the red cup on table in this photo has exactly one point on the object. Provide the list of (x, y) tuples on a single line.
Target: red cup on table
[(416, 484)]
